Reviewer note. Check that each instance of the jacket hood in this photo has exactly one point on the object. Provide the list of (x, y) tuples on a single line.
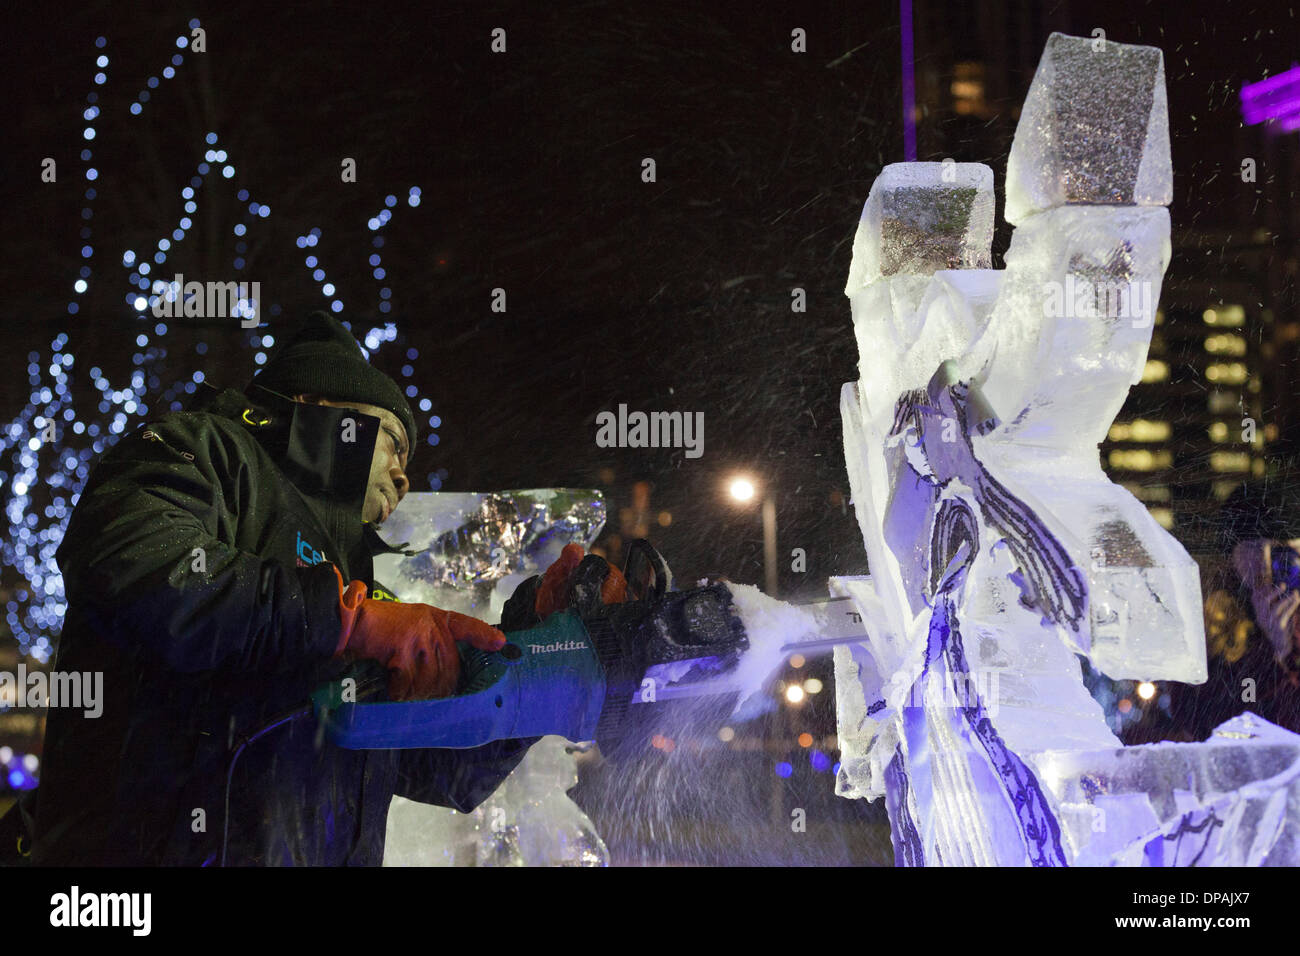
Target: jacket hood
[(324, 451)]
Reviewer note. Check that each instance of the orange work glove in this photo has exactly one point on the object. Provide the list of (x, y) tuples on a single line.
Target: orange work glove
[(553, 591), (416, 642)]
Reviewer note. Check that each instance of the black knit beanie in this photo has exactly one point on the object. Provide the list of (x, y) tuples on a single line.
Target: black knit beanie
[(322, 358)]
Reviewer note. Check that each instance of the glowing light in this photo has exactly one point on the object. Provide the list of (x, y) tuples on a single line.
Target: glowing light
[(805, 740), (1230, 461), (1155, 371), (742, 489), (1226, 316), (1140, 430), (37, 503), (794, 694), (726, 735), (812, 686), (1227, 373)]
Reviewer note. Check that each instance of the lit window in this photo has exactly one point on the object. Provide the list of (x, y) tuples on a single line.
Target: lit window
[(1164, 517), (1227, 373), (968, 89), (1140, 459), (1140, 430), (1222, 489), (1155, 371), (1225, 344), (1148, 492), (1229, 461), (1221, 403), (1225, 316)]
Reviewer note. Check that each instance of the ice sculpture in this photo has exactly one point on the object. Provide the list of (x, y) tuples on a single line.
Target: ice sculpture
[(470, 551), (998, 547)]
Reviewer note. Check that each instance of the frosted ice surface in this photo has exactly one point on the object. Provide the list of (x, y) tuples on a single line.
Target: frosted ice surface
[(1077, 305), (528, 821), (1233, 800), (1094, 129), (920, 217), (467, 544)]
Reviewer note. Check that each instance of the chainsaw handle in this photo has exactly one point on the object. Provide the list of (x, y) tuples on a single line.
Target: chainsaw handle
[(646, 571)]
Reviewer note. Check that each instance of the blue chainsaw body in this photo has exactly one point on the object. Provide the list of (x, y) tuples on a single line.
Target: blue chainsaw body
[(546, 680), (572, 675)]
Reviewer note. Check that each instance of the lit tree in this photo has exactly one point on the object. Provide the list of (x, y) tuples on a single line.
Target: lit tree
[(71, 417)]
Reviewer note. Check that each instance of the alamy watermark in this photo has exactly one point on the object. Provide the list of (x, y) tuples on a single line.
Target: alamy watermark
[(958, 691), (651, 430), (72, 689), (207, 300), (1078, 298), (74, 908)]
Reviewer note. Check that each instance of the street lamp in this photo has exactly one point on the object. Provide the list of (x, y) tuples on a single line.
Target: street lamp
[(742, 489)]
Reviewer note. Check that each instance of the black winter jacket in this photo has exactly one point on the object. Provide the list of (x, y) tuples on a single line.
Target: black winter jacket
[(196, 567)]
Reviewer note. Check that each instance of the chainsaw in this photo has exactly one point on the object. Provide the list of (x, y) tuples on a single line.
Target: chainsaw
[(585, 673)]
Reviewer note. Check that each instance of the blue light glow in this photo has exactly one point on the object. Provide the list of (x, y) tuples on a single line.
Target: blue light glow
[(42, 481)]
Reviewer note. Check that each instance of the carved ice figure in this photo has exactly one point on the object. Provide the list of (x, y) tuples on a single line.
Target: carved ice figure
[(998, 547)]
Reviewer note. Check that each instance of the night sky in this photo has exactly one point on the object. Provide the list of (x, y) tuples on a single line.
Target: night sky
[(667, 296)]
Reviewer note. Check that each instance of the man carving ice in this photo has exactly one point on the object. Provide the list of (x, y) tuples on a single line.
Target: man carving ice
[(218, 568)]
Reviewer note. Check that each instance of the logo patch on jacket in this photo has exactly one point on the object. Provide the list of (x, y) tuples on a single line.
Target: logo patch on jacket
[(307, 555)]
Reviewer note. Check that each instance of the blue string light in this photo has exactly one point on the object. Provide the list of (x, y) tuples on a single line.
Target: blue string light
[(41, 480)]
